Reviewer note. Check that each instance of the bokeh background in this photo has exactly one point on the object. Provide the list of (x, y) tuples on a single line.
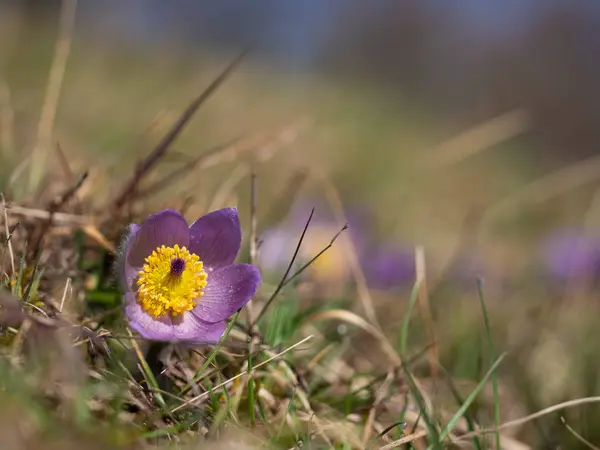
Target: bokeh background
[(469, 128)]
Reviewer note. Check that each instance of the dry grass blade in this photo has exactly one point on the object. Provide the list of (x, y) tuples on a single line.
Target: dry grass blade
[(279, 206), (380, 396), (206, 159), (425, 309), (55, 206), (68, 290), (477, 139), (64, 163), (356, 320), (57, 217), (253, 220), (405, 440), (155, 155), (241, 374), (50, 106), (6, 122), (545, 188), (253, 236), (228, 186), (361, 281), (530, 417), (226, 153), (579, 437), (7, 230), (335, 203), (97, 236)]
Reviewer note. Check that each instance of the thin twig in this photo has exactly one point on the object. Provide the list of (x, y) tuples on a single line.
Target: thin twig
[(54, 207), (8, 240), (313, 259), (577, 435), (253, 236), (155, 155), (287, 271), (204, 160), (38, 247)]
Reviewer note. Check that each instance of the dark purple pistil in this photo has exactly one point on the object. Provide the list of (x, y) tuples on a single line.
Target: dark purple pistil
[(177, 266)]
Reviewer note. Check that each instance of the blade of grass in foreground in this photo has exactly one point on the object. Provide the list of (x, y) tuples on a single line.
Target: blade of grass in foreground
[(150, 379), (469, 400), (460, 401), (17, 288), (414, 389), (406, 319), (212, 355), (491, 350), (251, 398)]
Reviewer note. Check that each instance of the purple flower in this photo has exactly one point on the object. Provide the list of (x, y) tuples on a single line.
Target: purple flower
[(180, 282), (390, 266), (569, 253), (385, 266)]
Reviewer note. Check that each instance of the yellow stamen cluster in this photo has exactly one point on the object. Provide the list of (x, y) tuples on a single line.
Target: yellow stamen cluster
[(161, 291)]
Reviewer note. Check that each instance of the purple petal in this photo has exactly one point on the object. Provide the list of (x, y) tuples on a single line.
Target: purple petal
[(185, 328), (126, 270), (216, 238), (229, 289), (167, 227)]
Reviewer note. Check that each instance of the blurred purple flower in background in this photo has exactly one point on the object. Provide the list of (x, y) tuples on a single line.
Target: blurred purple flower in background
[(569, 253), (386, 266), (389, 266)]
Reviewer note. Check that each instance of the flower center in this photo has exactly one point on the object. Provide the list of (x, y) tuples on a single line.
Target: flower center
[(170, 282)]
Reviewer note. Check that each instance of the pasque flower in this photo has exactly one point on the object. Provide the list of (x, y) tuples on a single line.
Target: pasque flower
[(181, 282)]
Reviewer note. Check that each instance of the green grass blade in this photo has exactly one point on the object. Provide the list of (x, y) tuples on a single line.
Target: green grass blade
[(212, 356), (460, 401), (406, 319), (414, 389), (492, 352), (416, 393), (150, 378), (461, 411), (251, 399), (17, 287)]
